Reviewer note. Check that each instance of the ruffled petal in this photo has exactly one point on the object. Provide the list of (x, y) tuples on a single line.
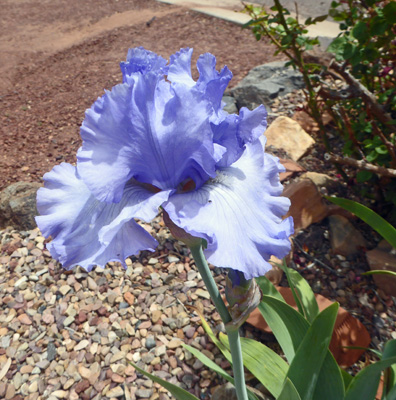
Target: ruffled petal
[(210, 82), (252, 124), (140, 60), (104, 158), (225, 134), (239, 213), (234, 131), (148, 131), (88, 232), (180, 68)]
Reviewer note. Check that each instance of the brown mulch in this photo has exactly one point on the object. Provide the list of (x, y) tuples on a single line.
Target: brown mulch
[(60, 56)]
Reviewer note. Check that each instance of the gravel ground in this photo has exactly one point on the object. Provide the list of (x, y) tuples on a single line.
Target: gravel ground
[(70, 334)]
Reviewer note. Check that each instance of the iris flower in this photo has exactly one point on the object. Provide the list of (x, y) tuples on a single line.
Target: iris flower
[(162, 140)]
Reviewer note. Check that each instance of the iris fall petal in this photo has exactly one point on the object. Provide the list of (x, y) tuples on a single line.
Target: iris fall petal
[(239, 213), (88, 232)]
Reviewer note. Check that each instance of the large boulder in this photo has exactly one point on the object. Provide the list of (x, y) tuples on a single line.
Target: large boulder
[(265, 83), (18, 205)]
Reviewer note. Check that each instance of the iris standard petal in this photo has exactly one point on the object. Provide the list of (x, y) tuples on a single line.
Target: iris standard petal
[(233, 131), (225, 134), (140, 60), (180, 68), (211, 82), (239, 213), (148, 131), (88, 232), (252, 124)]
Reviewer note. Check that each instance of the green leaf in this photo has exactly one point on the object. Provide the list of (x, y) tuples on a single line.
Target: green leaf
[(346, 377), (213, 366), (349, 50), (214, 339), (364, 176), (177, 392), (287, 324), (247, 24), (360, 32), (303, 371), (331, 382), (390, 12), (287, 39), (293, 289), (289, 391), (391, 395), (381, 149), (378, 26), (371, 54), (267, 366), (383, 227), (267, 288), (365, 384), (289, 328), (380, 272), (306, 295), (390, 382), (372, 156), (356, 56), (321, 18), (208, 362), (337, 47)]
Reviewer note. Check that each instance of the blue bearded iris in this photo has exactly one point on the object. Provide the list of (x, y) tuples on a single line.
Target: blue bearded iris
[(161, 139)]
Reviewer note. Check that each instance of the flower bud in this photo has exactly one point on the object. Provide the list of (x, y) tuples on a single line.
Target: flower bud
[(242, 295)]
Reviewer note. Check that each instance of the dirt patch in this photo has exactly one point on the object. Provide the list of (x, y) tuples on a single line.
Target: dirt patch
[(59, 56)]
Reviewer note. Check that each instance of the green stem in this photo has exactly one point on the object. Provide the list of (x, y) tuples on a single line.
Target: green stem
[(237, 363), (233, 334)]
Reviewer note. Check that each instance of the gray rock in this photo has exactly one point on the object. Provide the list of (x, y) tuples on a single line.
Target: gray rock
[(147, 357), (265, 83), (188, 380), (150, 342), (144, 393), (230, 107), (51, 351), (18, 205)]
